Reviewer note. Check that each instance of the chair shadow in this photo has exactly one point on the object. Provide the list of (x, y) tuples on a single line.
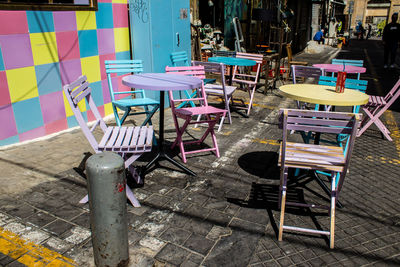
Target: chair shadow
[(265, 195), (263, 164)]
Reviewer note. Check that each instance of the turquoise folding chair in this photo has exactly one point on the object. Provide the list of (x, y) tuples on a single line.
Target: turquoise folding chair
[(135, 98), (360, 85), (351, 62)]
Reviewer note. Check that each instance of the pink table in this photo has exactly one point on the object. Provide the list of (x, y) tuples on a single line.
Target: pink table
[(337, 67), (162, 82)]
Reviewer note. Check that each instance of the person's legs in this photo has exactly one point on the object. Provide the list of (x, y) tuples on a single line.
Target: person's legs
[(393, 53), (385, 54)]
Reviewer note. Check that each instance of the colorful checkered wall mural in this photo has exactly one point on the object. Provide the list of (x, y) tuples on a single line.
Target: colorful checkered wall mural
[(40, 51)]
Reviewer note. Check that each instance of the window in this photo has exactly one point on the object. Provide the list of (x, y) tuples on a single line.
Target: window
[(369, 19), (48, 5)]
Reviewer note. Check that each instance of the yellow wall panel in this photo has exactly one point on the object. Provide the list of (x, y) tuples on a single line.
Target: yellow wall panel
[(44, 47), (86, 20), (121, 39), (22, 83), (91, 68)]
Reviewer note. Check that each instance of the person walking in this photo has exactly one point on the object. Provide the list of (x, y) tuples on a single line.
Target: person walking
[(390, 38), (369, 31), (319, 37)]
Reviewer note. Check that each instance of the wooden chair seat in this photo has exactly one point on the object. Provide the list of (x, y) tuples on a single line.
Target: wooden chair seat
[(216, 89), (127, 139), (310, 156), (205, 110)]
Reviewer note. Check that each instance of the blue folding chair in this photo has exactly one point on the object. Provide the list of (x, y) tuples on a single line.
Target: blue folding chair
[(351, 62), (135, 98)]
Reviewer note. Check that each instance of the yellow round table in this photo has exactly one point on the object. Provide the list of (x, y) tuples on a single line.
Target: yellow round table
[(323, 95)]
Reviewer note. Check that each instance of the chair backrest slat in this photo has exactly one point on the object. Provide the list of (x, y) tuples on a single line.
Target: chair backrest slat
[(360, 85), (84, 93), (306, 72), (123, 67), (221, 53), (358, 63), (196, 71), (179, 59), (251, 56), (393, 92)]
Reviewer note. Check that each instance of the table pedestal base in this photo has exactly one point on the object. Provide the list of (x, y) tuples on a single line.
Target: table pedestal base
[(160, 156)]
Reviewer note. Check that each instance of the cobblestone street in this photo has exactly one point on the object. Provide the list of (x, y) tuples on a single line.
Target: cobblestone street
[(227, 215)]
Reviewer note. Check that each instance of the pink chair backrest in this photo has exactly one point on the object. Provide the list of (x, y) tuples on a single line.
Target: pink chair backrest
[(196, 71), (393, 93)]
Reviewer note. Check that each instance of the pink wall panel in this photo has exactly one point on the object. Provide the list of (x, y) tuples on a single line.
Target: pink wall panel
[(13, 22)]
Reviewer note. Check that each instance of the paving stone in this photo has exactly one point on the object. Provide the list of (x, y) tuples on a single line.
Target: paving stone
[(175, 235), (219, 218), (82, 220), (22, 211), (58, 227), (172, 254), (40, 219), (199, 244), (198, 227)]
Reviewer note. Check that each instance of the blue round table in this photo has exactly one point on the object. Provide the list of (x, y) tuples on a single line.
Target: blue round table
[(232, 61)]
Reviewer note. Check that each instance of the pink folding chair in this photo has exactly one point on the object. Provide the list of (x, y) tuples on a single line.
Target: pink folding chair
[(248, 81), (129, 142), (212, 114), (375, 107)]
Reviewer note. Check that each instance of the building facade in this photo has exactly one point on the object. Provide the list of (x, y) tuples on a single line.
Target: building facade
[(40, 51)]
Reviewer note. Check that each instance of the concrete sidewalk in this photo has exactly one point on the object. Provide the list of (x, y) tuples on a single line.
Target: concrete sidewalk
[(225, 216)]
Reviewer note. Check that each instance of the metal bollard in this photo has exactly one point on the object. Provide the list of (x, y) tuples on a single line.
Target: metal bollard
[(107, 202)]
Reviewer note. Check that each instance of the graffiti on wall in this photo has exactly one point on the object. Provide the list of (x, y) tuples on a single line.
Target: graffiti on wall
[(140, 8)]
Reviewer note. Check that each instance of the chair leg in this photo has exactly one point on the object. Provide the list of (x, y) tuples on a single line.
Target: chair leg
[(117, 120), (332, 211), (283, 190), (251, 94), (124, 116)]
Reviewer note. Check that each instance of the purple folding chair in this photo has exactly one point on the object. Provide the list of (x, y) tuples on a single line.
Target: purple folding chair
[(218, 89), (375, 107), (129, 142), (315, 157)]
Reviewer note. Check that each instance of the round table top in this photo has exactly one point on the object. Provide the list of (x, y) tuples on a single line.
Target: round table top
[(339, 67), (233, 61), (161, 82), (324, 95)]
